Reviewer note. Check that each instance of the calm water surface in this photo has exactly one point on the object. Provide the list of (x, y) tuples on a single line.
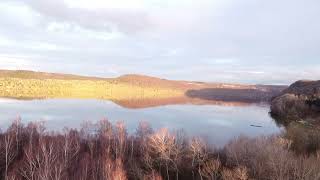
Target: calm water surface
[(217, 124)]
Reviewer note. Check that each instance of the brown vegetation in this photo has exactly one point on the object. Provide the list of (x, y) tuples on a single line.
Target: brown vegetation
[(103, 151)]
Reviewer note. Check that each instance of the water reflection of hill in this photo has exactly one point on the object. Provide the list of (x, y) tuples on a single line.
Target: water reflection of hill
[(146, 103), (236, 96)]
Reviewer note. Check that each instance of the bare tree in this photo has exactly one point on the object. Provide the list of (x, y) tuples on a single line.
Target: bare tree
[(199, 154), (210, 169), (118, 171), (49, 158), (162, 145), (105, 135), (71, 147), (29, 169), (10, 151), (121, 136)]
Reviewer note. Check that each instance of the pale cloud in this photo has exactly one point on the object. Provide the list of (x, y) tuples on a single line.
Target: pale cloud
[(207, 40), (138, 4), (14, 62), (78, 31), (228, 61), (5, 41), (105, 4), (44, 46), (19, 14), (58, 27), (99, 19)]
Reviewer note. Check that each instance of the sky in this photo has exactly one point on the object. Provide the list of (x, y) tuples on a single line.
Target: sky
[(247, 41)]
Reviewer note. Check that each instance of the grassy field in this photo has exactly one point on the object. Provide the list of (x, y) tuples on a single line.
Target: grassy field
[(98, 89)]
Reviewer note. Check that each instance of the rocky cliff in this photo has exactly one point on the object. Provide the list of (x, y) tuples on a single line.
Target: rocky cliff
[(301, 101)]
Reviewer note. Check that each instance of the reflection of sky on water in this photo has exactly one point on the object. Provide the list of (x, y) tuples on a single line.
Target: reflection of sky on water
[(218, 124)]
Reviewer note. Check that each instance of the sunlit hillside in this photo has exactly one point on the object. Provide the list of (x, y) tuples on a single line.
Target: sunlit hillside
[(29, 84), (56, 88)]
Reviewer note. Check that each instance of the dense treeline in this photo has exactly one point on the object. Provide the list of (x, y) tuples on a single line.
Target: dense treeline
[(106, 151)]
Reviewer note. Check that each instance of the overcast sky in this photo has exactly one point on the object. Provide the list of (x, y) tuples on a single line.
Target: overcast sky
[(244, 41)]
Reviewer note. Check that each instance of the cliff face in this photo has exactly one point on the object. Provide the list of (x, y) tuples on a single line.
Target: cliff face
[(301, 101)]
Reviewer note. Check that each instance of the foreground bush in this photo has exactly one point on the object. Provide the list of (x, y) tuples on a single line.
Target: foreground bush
[(106, 151)]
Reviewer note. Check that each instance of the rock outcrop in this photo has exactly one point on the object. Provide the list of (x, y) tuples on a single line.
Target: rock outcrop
[(301, 101)]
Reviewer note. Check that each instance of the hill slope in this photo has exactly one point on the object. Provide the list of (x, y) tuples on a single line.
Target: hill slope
[(134, 88), (24, 74)]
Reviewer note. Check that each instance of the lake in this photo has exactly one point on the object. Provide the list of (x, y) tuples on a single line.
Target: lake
[(216, 123)]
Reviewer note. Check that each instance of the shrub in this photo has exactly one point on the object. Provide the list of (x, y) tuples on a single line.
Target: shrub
[(103, 151)]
